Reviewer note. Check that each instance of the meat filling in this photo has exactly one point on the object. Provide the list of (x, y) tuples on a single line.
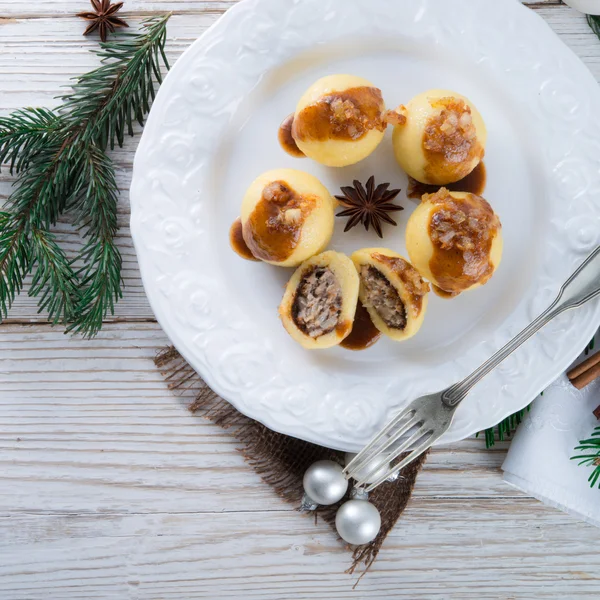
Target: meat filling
[(383, 297), (318, 303)]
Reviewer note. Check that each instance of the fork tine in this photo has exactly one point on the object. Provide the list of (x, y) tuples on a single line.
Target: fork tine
[(406, 461), (401, 449), (365, 463), (366, 454)]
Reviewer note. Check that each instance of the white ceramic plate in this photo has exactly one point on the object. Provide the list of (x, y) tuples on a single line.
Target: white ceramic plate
[(213, 129)]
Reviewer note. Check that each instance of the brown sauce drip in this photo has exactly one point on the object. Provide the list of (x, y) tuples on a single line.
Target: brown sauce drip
[(474, 183), (275, 225), (237, 242), (462, 232), (443, 293), (450, 141), (347, 115), (343, 327), (286, 139), (364, 334), (414, 285)]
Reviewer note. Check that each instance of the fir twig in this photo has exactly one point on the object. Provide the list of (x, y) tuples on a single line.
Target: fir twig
[(505, 429), (594, 23), (14, 260), (591, 459), (105, 102), (53, 281), (24, 134), (61, 165), (97, 214)]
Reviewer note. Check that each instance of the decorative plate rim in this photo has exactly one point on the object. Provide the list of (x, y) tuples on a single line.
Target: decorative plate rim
[(566, 88)]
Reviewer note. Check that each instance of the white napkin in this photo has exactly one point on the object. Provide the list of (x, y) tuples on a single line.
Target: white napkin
[(538, 461)]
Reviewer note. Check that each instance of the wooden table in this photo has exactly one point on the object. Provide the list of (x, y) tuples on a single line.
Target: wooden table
[(110, 489)]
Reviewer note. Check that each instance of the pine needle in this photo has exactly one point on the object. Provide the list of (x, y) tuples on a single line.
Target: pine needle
[(505, 429), (59, 157), (592, 457), (594, 23)]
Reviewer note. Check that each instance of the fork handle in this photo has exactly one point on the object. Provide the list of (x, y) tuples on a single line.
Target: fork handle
[(581, 287)]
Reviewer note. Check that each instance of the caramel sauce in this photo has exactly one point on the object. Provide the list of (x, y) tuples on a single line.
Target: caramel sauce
[(473, 183), (450, 148), (414, 285), (343, 327), (464, 260), (443, 293), (236, 240), (347, 115), (275, 225), (364, 334), (286, 139)]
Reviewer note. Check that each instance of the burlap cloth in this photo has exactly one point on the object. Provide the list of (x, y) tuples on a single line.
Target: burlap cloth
[(281, 460)]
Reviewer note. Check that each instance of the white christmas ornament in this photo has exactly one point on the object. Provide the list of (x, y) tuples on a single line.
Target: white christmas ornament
[(358, 522), (324, 482)]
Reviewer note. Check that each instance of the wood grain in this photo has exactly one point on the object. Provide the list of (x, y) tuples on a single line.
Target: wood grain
[(81, 415), (478, 554), (39, 55), (110, 489)]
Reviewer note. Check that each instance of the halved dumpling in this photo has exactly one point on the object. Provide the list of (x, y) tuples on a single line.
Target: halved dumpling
[(320, 300), (392, 291)]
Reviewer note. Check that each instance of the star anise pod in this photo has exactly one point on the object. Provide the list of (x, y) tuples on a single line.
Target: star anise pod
[(103, 18), (368, 206)]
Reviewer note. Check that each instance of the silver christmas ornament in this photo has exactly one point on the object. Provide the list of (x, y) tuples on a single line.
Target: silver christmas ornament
[(307, 504), (324, 482), (359, 494), (357, 522), (379, 464)]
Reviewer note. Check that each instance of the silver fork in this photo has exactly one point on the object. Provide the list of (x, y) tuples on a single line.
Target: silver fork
[(432, 415)]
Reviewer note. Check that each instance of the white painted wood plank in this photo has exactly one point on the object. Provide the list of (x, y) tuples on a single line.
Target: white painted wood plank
[(444, 548), (91, 426), (19, 9), (109, 489), (37, 57)]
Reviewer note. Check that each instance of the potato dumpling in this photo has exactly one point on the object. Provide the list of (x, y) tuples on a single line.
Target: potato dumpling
[(320, 300), (392, 291), (454, 239), (287, 217), (339, 120), (439, 137)]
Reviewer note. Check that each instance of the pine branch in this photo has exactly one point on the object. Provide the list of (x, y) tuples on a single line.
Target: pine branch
[(54, 280), (43, 189), (505, 429), (105, 102), (591, 459), (61, 163), (24, 134), (14, 260), (594, 23), (97, 214)]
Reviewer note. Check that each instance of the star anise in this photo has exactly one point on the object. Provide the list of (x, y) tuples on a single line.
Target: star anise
[(368, 206), (103, 18)]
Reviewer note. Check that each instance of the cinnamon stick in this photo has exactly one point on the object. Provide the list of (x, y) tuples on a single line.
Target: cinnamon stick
[(584, 366), (586, 372)]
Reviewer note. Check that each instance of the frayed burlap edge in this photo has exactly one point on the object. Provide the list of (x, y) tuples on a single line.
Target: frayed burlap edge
[(281, 460)]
